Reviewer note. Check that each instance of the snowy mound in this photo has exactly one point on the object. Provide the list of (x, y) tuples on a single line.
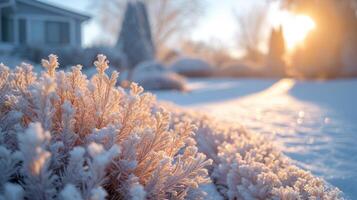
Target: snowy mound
[(154, 76), (239, 70), (192, 67)]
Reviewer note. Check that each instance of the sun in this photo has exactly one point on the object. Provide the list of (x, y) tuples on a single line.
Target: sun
[(296, 27)]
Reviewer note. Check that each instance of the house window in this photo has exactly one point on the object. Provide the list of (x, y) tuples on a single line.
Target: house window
[(36, 32), (57, 33), (7, 29), (22, 31)]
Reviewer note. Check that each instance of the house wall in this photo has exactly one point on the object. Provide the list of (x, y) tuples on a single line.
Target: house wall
[(4, 46), (0, 25), (6, 12), (78, 27), (38, 17)]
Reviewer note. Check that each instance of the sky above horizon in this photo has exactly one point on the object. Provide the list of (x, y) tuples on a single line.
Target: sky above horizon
[(217, 24)]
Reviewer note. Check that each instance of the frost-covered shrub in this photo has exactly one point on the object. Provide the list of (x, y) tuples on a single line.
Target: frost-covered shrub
[(14, 60), (70, 56), (63, 136), (247, 166), (239, 69), (155, 76), (192, 67)]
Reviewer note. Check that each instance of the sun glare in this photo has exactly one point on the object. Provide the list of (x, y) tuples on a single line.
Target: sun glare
[(296, 27), (296, 30)]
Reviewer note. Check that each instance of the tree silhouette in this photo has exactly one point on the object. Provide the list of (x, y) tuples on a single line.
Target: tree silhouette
[(276, 53), (250, 31), (135, 36)]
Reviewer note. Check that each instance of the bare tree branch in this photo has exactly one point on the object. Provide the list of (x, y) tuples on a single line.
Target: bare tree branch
[(251, 26)]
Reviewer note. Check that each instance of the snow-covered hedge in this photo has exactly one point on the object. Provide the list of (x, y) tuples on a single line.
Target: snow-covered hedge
[(248, 166), (155, 76), (70, 56), (63, 136), (192, 67)]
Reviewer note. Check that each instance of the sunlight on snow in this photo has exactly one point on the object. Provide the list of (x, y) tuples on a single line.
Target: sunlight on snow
[(318, 132), (299, 126), (283, 86)]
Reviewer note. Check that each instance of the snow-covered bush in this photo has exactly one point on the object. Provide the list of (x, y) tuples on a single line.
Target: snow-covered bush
[(192, 67), (239, 69), (14, 60), (70, 56), (248, 166), (63, 136), (155, 76)]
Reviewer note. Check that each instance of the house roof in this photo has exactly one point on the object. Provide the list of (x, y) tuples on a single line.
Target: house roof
[(4, 3), (47, 6)]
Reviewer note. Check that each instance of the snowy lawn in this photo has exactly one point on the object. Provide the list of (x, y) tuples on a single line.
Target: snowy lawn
[(315, 122)]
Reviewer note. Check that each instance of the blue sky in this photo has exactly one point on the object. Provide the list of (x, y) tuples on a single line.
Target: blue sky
[(217, 24)]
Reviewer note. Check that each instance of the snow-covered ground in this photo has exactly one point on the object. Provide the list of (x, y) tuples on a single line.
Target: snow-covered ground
[(314, 122)]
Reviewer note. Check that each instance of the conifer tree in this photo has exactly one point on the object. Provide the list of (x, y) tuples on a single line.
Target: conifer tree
[(135, 39), (276, 53)]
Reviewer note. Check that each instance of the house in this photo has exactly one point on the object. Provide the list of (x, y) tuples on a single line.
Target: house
[(35, 23)]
